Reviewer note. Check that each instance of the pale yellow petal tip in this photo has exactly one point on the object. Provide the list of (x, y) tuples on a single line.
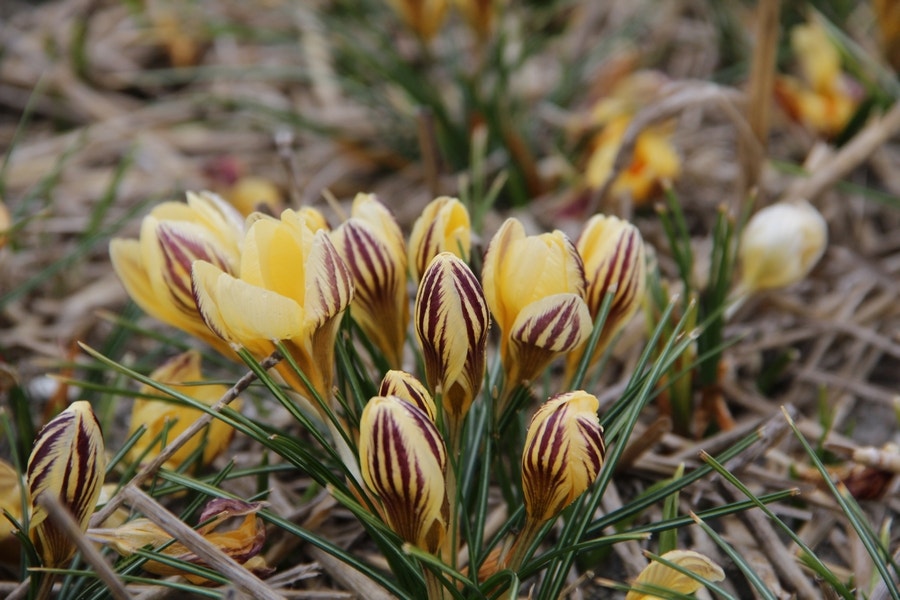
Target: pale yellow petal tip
[(657, 578)]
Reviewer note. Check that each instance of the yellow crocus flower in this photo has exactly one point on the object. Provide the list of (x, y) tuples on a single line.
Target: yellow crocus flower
[(293, 287), (179, 373), (424, 17), (534, 286), (372, 246), (156, 269)]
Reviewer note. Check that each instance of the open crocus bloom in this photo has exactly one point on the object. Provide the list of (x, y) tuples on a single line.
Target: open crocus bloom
[(156, 269), (372, 246), (293, 287), (534, 286)]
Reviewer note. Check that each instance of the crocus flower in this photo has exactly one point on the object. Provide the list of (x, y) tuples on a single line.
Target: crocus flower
[(405, 386), (824, 98), (10, 498), (452, 322), (372, 246), (780, 245), (613, 255), (563, 454), (403, 461), (250, 194), (534, 286), (424, 17), (242, 543), (293, 287), (156, 415), (443, 226), (67, 461), (658, 581), (156, 270), (479, 15)]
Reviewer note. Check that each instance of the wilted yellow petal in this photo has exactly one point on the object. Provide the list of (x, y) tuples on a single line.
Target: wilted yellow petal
[(67, 461), (563, 453), (403, 461), (443, 226), (780, 245), (452, 322), (159, 415), (659, 578)]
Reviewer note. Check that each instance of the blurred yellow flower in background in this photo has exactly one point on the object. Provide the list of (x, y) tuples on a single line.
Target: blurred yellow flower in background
[(824, 98), (424, 17), (157, 415), (156, 269)]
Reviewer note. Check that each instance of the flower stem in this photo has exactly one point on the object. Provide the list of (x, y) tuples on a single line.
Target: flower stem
[(433, 586), (523, 544)]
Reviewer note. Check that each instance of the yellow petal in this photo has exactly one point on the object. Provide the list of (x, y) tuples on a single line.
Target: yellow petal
[(329, 284), (443, 226), (10, 497), (657, 576), (405, 386)]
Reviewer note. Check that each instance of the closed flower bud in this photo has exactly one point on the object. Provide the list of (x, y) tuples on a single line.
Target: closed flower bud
[(403, 461), (452, 322), (67, 461), (372, 246), (443, 226), (156, 269), (293, 287), (534, 286), (563, 454), (780, 245), (613, 255), (405, 386), (659, 581), (156, 415)]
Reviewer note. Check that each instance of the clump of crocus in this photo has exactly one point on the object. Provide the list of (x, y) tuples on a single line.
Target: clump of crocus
[(780, 245), (824, 98), (443, 226), (164, 420), (535, 287), (424, 17), (452, 323), (563, 454), (293, 288), (372, 246), (403, 462), (67, 461), (655, 158), (613, 253), (156, 269), (659, 580), (242, 543)]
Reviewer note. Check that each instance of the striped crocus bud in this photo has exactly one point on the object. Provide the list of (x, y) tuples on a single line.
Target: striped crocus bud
[(613, 255), (452, 322), (372, 246), (67, 461), (403, 461), (404, 385), (563, 454), (443, 226)]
